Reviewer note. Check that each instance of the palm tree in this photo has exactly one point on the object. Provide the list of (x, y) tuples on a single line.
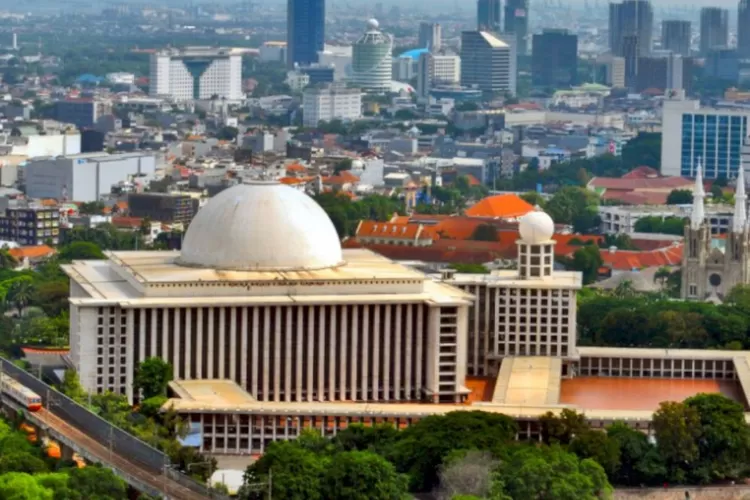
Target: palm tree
[(624, 290), (662, 275), (7, 261), (20, 294)]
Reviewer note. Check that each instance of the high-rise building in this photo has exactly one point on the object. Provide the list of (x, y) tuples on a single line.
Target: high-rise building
[(305, 31), (743, 28), (487, 62), (488, 15), (81, 112), (631, 52), (517, 23), (434, 70), (371, 60), (196, 73), (631, 18), (691, 134), (430, 36), (332, 102), (668, 72), (554, 59), (675, 36), (610, 70), (714, 29), (723, 64)]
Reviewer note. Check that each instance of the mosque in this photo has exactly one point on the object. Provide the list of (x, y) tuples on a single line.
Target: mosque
[(271, 327)]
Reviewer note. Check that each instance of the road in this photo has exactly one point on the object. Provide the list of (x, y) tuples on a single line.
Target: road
[(156, 480)]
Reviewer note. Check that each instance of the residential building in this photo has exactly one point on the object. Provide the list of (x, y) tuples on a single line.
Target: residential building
[(675, 36), (85, 177), (487, 63), (488, 15), (554, 60), (630, 18), (196, 73), (431, 36), (305, 31), (714, 29), (340, 57), (743, 28), (516, 22), (334, 102), (81, 112), (437, 69), (691, 133), (169, 208), (30, 225), (371, 60)]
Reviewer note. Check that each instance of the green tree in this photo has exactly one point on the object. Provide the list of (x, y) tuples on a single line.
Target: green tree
[(71, 386), (677, 429), (21, 486), (470, 268), (598, 446), (640, 462), (227, 133), (661, 276), (345, 164), (362, 475), (576, 206), (21, 461), (587, 260), (152, 377), (20, 295), (484, 232), (97, 482), (81, 250), (739, 297), (52, 297), (378, 438), (643, 150), (560, 429), (533, 198), (7, 261), (297, 472), (91, 208), (680, 197)]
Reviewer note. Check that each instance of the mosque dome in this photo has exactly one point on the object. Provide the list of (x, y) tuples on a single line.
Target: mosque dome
[(261, 226), (536, 227)]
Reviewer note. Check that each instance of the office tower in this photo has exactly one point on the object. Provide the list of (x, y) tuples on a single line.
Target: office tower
[(690, 134), (195, 73), (517, 22), (305, 31), (610, 70), (630, 18), (488, 15), (743, 28), (554, 59), (430, 36), (675, 36), (371, 60), (714, 29), (437, 69), (668, 72), (631, 53), (723, 64), (488, 62)]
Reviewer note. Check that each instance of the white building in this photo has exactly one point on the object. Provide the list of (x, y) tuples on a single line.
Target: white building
[(273, 52), (338, 56), (334, 102), (372, 61), (50, 144), (404, 68), (437, 69), (692, 134), (196, 73), (121, 78), (488, 62), (430, 36), (297, 80), (623, 218)]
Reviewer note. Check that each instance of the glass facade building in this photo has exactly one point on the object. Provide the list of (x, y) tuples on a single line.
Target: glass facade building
[(716, 139), (305, 31)]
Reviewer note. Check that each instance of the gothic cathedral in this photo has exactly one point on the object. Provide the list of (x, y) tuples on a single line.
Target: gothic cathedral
[(711, 267)]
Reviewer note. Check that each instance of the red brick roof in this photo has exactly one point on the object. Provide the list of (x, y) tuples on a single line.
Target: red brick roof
[(626, 260), (642, 173), (630, 184)]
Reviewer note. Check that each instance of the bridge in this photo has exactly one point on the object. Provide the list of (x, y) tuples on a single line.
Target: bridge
[(143, 467)]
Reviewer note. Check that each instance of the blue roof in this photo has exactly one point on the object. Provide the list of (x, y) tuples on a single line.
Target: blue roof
[(414, 53), (89, 78)]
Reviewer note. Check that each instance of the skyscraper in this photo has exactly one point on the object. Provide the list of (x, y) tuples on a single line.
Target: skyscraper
[(430, 36), (517, 22), (631, 18), (487, 62), (631, 52), (371, 59), (554, 59), (675, 36), (488, 15), (743, 28), (714, 29), (305, 28)]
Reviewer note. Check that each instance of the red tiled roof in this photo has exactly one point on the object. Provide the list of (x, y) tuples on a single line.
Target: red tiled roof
[(371, 229), (640, 183), (626, 260), (32, 252), (641, 173), (129, 222), (637, 197), (505, 206)]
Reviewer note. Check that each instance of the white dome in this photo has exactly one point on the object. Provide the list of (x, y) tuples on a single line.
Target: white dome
[(373, 24), (536, 227), (261, 226)]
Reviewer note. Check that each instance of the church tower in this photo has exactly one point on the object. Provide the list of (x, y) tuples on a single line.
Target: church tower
[(697, 245), (737, 254)]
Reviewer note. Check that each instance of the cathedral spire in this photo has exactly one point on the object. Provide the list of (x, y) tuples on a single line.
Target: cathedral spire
[(698, 215), (740, 213)]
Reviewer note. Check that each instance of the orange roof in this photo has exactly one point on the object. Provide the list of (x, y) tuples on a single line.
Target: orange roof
[(295, 167), (473, 181), (122, 205), (49, 202), (131, 222), (505, 206), (344, 177), (373, 229), (400, 219), (34, 252), (627, 260), (292, 180)]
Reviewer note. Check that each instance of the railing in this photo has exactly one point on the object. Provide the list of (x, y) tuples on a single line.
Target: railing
[(121, 442)]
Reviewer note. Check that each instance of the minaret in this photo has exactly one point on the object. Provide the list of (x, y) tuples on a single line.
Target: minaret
[(699, 214), (740, 212)]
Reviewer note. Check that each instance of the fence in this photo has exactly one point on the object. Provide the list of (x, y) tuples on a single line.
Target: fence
[(93, 425)]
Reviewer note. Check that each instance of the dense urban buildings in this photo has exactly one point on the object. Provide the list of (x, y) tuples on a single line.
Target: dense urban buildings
[(488, 62), (371, 60), (430, 36), (330, 102), (743, 28), (714, 29), (169, 208), (691, 135), (196, 73), (30, 225), (488, 15), (554, 60), (666, 72), (305, 31), (516, 23), (83, 112), (631, 18), (676, 36)]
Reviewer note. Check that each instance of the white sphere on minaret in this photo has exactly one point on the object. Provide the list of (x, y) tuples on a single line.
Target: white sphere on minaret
[(536, 228)]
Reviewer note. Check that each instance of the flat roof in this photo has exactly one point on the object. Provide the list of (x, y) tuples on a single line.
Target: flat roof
[(211, 391), (533, 380), (511, 279)]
